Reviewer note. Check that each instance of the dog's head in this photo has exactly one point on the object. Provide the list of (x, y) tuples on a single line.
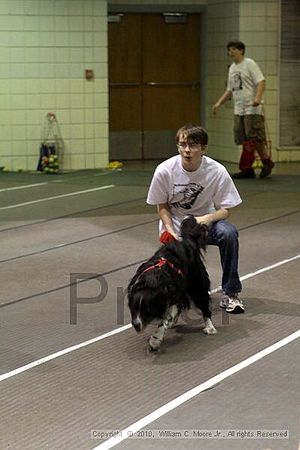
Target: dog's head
[(144, 308), (145, 304), (198, 233)]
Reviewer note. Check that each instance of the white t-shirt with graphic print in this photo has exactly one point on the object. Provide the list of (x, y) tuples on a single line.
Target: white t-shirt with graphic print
[(242, 82), (192, 193)]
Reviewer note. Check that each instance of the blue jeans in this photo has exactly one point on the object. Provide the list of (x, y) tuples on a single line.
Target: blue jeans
[(226, 237)]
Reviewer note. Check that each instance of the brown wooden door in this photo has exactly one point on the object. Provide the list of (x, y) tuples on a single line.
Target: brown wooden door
[(154, 74)]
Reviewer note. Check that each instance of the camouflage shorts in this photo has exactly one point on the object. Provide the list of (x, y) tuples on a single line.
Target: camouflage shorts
[(249, 127)]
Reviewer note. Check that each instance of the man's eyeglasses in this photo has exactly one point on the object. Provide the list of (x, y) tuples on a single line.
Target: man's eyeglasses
[(192, 146)]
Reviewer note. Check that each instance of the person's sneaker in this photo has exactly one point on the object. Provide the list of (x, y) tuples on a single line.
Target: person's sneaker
[(248, 173), (234, 304), (267, 168)]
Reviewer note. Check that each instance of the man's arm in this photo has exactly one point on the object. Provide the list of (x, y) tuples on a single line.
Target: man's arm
[(226, 96), (259, 93), (166, 218), (220, 214)]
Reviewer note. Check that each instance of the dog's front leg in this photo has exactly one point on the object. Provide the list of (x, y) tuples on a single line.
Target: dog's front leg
[(173, 314), (209, 327), (158, 337), (169, 321)]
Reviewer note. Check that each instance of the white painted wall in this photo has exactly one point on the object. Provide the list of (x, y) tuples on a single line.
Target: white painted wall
[(45, 46)]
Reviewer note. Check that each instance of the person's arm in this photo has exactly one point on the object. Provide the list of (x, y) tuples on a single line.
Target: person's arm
[(259, 93), (220, 214), (166, 218), (223, 99)]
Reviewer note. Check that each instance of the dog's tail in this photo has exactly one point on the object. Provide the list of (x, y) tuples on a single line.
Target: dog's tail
[(198, 233)]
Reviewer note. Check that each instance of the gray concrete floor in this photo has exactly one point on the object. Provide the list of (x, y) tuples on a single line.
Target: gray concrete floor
[(114, 382)]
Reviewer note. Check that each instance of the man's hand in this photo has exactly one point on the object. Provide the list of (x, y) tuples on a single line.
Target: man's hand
[(205, 220), (226, 96), (256, 102), (215, 108)]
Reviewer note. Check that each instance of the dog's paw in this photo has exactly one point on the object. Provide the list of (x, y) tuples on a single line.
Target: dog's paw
[(154, 343), (209, 327), (209, 330)]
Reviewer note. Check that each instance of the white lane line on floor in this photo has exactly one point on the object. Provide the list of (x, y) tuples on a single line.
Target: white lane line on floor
[(38, 362), (133, 428), (258, 272), (58, 196), (26, 186)]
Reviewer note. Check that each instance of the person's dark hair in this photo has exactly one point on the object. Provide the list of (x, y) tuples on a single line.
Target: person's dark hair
[(237, 44), (194, 134)]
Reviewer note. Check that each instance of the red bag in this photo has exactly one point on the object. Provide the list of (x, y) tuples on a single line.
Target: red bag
[(166, 238)]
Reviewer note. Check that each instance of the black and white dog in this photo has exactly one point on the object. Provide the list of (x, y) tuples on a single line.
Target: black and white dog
[(169, 281)]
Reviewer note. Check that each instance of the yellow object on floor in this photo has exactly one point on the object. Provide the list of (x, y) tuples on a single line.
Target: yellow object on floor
[(113, 165)]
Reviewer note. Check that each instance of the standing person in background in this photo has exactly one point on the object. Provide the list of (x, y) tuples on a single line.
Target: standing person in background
[(246, 84)]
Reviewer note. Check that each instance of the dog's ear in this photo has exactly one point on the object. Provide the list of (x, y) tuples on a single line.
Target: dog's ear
[(190, 229), (202, 231), (187, 226), (200, 234)]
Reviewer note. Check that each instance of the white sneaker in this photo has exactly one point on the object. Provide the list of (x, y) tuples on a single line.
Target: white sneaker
[(234, 304)]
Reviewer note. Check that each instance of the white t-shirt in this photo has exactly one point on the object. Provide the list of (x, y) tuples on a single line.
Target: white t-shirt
[(192, 193), (242, 82)]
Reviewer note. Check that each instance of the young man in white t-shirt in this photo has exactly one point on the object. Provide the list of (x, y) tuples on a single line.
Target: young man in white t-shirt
[(194, 184), (246, 84)]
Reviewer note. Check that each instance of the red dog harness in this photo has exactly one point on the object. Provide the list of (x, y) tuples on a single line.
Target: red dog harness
[(161, 263)]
